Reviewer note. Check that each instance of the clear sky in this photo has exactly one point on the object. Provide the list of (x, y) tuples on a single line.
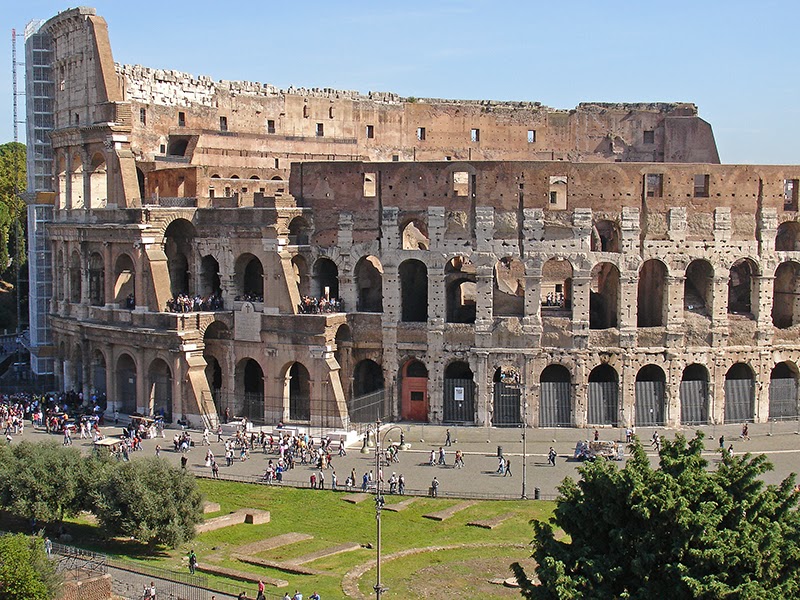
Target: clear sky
[(738, 61)]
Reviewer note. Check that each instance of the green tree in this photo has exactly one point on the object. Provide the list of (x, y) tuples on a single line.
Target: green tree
[(12, 208), (681, 531), (25, 571), (44, 481), (149, 500)]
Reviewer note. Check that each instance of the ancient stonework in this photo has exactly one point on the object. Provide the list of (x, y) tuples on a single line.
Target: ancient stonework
[(323, 257)]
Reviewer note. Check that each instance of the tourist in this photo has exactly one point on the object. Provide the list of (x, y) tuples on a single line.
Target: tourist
[(192, 562), (551, 456), (447, 441), (435, 487), (507, 471)]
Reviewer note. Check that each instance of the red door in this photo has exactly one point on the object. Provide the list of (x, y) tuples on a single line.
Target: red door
[(414, 404)]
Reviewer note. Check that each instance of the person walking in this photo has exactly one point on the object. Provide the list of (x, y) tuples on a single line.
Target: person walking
[(551, 456), (260, 595), (507, 472), (48, 547), (192, 562), (447, 441), (745, 432), (442, 461), (214, 469)]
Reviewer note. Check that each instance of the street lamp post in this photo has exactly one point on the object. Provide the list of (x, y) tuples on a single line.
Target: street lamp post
[(378, 506), (524, 451)]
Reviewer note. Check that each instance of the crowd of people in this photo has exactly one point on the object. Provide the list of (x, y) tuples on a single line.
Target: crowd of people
[(554, 300), (67, 413), (310, 306), (183, 303), (249, 297)]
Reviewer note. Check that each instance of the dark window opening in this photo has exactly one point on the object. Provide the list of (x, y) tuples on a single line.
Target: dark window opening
[(270, 126), (320, 130), (475, 135), (143, 116), (370, 131), (223, 123), (791, 187), (654, 185), (701, 186), (649, 136), (181, 119), (421, 133)]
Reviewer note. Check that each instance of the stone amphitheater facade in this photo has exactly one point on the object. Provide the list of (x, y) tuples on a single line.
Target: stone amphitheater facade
[(486, 263)]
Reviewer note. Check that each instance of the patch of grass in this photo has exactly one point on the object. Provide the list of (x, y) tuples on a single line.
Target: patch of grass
[(331, 521)]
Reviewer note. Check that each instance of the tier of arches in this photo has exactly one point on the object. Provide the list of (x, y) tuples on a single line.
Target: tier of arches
[(81, 181)]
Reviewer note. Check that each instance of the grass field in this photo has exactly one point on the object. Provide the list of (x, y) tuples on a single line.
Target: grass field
[(452, 560)]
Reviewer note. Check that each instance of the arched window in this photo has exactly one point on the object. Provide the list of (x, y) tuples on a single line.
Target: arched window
[(299, 393), (786, 295), (413, 291), (369, 284), (461, 290), (604, 296), (787, 238), (556, 286), (698, 287), (652, 294), (508, 296), (179, 248), (741, 289), (97, 280)]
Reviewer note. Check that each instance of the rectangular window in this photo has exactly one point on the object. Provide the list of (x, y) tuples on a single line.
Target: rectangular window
[(531, 136), (558, 192), (369, 185), (143, 116), (270, 126), (461, 183), (277, 163), (370, 132), (330, 112), (654, 185), (162, 149), (211, 192), (320, 130), (223, 123), (181, 119), (475, 135), (421, 133), (649, 136), (701, 186), (553, 197), (417, 396), (395, 157), (790, 193)]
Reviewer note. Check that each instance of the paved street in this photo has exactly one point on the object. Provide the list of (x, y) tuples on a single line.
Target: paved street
[(479, 445)]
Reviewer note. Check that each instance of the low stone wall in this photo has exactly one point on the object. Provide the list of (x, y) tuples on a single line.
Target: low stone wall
[(93, 588)]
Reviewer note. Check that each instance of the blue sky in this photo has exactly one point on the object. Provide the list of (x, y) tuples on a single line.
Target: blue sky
[(738, 61)]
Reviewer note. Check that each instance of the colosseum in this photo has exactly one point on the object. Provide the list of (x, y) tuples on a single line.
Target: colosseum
[(324, 257)]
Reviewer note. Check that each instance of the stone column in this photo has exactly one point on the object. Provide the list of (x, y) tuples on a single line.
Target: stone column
[(674, 309), (108, 275), (581, 288)]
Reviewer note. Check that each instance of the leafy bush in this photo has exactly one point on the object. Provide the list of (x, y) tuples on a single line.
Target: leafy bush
[(25, 571)]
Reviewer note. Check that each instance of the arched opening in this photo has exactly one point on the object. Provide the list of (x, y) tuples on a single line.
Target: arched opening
[(326, 279), (413, 291), (508, 297), (61, 181), (126, 384), (603, 393), (367, 402), (786, 295), (556, 286), (97, 280), (555, 397), (698, 287), (507, 397), (301, 278), (414, 386), (605, 237), (98, 185), (650, 408), (742, 295), (461, 290), (459, 393), (740, 394), (788, 237), (369, 284), (76, 183), (249, 278), (694, 395), (604, 297), (75, 278), (160, 389), (125, 282), (652, 294), (298, 231), (213, 373), (783, 399), (178, 246), (299, 385), (249, 382), (77, 373), (415, 236), (209, 278)]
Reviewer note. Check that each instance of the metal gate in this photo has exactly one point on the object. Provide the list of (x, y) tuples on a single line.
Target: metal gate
[(366, 408), (555, 404), (162, 397), (694, 402), (739, 400), (603, 403), (783, 399), (506, 405), (459, 401), (649, 408), (126, 386)]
